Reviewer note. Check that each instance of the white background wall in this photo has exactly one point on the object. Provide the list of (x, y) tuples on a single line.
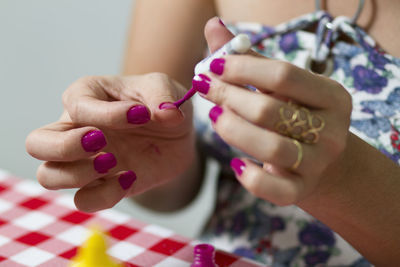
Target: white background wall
[(45, 45)]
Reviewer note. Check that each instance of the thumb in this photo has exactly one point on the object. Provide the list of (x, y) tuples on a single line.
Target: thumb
[(217, 35)]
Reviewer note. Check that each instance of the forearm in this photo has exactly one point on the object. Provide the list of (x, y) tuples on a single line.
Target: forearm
[(362, 204), (167, 36)]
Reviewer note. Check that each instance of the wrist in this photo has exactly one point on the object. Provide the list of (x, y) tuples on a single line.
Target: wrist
[(358, 198), (176, 193)]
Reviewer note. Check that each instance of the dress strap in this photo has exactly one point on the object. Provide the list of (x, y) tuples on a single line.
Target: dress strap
[(356, 15)]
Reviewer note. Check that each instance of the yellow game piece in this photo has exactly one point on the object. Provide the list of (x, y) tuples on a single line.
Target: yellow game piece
[(93, 252)]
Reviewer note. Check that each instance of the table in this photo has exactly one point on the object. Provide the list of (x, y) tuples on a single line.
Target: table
[(42, 228)]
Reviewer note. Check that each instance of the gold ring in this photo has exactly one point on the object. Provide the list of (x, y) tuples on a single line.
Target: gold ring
[(299, 154), (299, 123)]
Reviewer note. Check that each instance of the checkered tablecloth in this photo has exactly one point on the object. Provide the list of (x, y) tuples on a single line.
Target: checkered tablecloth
[(43, 228)]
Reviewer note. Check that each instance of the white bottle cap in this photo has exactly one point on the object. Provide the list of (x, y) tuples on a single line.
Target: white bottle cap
[(241, 43)]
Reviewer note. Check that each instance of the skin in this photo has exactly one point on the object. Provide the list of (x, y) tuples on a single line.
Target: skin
[(354, 187)]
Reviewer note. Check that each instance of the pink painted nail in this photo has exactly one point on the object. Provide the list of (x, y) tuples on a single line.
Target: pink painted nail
[(167, 105), (221, 22), (102, 163), (238, 166), (93, 141), (127, 179), (138, 115), (201, 83), (217, 66), (215, 112)]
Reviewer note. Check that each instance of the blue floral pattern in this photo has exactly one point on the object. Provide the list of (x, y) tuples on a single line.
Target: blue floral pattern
[(289, 42), (287, 236), (368, 80)]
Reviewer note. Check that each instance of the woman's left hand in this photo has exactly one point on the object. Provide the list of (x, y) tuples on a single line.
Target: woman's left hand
[(267, 124)]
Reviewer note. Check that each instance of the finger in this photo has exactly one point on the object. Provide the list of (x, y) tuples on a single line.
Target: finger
[(123, 102), (60, 141), (282, 78), (263, 145), (106, 194), (263, 110), (59, 175), (217, 35), (281, 190), (91, 101), (159, 92)]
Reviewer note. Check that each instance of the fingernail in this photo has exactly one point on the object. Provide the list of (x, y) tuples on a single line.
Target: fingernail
[(102, 163), (93, 141), (126, 179), (167, 105), (217, 66), (221, 22), (201, 83), (138, 115), (215, 112), (237, 166)]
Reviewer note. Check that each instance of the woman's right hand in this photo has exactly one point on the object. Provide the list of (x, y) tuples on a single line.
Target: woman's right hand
[(113, 140)]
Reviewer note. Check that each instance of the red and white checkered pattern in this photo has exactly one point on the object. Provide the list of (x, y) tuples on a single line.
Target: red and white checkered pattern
[(42, 228)]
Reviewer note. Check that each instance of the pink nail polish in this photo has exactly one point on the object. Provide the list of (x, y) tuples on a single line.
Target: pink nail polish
[(102, 163), (217, 66), (221, 22), (127, 179), (138, 115), (185, 98), (93, 141), (238, 166), (201, 83), (167, 105), (204, 256), (215, 112)]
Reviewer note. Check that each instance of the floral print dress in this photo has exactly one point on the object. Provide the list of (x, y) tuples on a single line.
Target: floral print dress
[(288, 236)]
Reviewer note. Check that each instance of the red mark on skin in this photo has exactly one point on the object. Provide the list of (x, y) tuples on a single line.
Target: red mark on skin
[(156, 149), (152, 148)]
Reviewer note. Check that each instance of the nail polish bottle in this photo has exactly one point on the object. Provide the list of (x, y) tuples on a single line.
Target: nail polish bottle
[(203, 256)]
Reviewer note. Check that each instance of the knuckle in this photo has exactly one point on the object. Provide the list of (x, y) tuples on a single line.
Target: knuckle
[(69, 102), (275, 150), (220, 94), (109, 118), (61, 148), (43, 178), (253, 182), (335, 146), (289, 196), (347, 102), (73, 108), (283, 74), (262, 110), (235, 69), (30, 144), (224, 128), (157, 77), (72, 179), (89, 81)]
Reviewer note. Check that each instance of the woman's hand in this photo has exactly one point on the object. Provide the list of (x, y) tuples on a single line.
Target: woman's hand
[(338, 178), (253, 121), (114, 139)]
